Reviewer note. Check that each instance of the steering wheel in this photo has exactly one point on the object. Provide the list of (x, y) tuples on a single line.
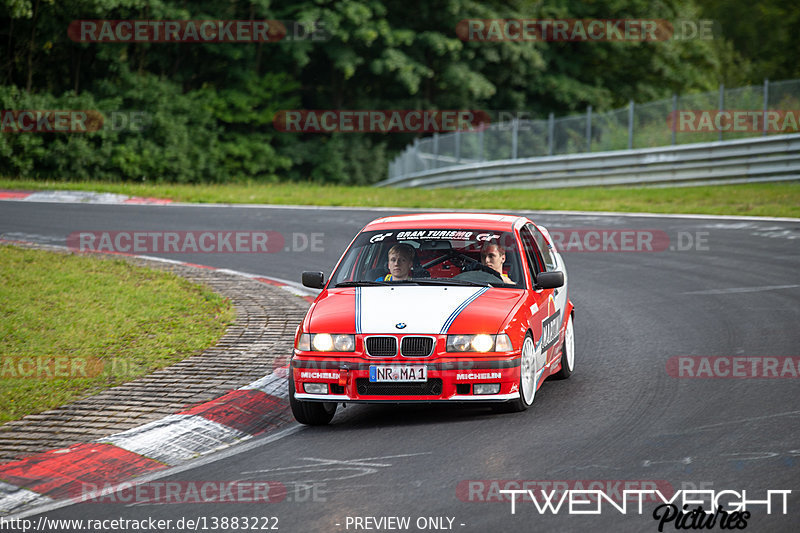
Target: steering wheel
[(477, 265)]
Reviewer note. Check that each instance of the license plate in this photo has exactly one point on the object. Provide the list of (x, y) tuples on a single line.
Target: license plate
[(398, 373)]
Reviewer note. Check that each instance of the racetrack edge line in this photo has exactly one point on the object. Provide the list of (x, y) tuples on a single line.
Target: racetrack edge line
[(128, 202)]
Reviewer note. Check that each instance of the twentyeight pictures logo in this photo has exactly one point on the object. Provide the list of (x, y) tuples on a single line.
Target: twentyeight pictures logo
[(683, 508)]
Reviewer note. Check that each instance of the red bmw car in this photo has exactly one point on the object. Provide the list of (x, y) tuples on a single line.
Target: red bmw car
[(435, 308)]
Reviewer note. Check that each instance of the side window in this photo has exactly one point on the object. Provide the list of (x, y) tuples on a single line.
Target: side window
[(529, 244), (544, 249)]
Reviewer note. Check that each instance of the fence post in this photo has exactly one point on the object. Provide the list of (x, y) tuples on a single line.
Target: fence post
[(480, 142), (721, 104), (551, 130), (766, 105), (436, 149), (588, 128), (514, 137), (674, 118), (630, 125), (416, 159), (458, 146)]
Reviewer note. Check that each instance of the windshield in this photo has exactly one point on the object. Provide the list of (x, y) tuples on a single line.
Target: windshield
[(432, 256)]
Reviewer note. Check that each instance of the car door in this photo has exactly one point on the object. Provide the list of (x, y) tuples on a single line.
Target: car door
[(548, 313), (552, 263)]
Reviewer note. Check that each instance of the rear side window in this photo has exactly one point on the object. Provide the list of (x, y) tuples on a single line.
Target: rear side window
[(544, 248), (535, 264)]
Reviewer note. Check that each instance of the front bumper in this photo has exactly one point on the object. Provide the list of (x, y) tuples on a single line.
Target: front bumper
[(449, 379)]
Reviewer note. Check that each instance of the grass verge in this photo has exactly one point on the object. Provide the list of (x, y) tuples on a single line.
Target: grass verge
[(72, 325), (753, 199)]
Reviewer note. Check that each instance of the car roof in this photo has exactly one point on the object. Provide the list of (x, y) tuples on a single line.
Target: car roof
[(489, 221)]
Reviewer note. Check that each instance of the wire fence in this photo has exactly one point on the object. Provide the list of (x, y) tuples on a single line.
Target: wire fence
[(772, 108)]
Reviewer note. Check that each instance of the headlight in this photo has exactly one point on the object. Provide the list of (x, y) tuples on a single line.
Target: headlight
[(325, 342), (322, 342), (479, 343), (482, 343), (344, 343)]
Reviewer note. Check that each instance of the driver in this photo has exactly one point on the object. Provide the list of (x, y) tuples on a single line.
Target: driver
[(401, 258), (493, 256)]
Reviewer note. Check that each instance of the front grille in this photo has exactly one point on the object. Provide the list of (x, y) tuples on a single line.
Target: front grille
[(432, 387), (381, 346), (416, 346)]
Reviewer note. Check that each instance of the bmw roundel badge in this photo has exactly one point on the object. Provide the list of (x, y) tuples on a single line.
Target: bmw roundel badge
[(400, 325)]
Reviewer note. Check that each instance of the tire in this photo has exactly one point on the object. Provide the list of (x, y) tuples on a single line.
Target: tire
[(527, 380), (310, 413), (567, 352)]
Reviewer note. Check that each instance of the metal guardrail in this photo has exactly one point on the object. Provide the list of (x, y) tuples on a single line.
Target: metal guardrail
[(772, 158)]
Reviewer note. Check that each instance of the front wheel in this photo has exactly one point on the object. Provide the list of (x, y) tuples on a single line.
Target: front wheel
[(527, 380), (567, 352), (310, 413)]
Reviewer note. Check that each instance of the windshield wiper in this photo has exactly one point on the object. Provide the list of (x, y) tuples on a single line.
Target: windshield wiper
[(360, 283), (429, 281), (415, 281)]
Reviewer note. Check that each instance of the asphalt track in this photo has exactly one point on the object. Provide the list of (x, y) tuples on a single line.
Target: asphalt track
[(621, 416)]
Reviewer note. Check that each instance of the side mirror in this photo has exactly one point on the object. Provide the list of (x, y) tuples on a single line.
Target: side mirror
[(549, 280), (315, 280)]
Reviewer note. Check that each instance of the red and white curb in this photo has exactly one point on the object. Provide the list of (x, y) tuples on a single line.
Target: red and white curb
[(63, 473), (79, 197), (240, 414)]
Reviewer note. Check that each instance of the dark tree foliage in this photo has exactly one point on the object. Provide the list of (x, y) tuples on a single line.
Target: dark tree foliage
[(209, 107)]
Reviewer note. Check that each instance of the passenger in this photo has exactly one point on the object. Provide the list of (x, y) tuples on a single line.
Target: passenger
[(401, 258), (493, 256)]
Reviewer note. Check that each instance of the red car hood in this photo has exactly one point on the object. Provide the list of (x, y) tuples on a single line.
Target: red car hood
[(406, 309)]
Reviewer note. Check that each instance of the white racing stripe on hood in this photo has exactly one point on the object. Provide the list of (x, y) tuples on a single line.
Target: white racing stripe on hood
[(423, 309)]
